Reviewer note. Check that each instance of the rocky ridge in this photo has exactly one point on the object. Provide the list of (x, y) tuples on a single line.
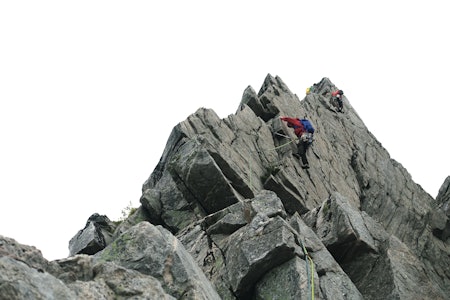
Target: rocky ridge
[(228, 213)]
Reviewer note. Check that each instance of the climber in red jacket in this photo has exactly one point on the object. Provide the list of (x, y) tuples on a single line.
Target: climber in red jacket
[(304, 131), (337, 96)]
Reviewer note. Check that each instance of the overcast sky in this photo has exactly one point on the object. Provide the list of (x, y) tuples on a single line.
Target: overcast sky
[(90, 90)]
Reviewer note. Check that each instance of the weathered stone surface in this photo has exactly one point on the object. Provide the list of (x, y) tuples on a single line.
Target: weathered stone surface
[(341, 228), (334, 283), (408, 273), (75, 268), (443, 197), (290, 280), (154, 251), (239, 257), (213, 241), (211, 164), (151, 201), (29, 255), (366, 251), (93, 237), (128, 283), (440, 217), (25, 274), (20, 281), (255, 250), (107, 280), (177, 210)]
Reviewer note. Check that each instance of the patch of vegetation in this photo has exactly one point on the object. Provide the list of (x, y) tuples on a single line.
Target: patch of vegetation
[(126, 213), (116, 248)]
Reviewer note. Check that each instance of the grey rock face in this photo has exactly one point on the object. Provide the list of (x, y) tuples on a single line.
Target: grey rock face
[(93, 237), (20, 281), (152, 250), (286, 281), (250, 245), (25, 274), (443, 197), (334, 283), (229, 213), (366, 251), (440, 217)]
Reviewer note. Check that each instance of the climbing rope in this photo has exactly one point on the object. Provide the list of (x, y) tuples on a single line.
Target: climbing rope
[(285, 136), (309, 270), (312, 277), (310, 265), (281, 146), (271, 149)]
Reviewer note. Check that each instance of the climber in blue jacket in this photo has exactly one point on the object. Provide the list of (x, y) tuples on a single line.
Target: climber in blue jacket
[(304, 130)]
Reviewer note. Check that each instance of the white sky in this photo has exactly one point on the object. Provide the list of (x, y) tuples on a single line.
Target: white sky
[(90, 90)]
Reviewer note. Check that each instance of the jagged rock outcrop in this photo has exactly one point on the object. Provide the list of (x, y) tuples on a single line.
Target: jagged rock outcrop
[(93, 237), (440, 216), (378, 263), (146, 262), (252, 245), (229, 213)]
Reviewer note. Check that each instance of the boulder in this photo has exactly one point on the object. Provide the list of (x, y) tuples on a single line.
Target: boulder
[(93, 237), (153, 250)]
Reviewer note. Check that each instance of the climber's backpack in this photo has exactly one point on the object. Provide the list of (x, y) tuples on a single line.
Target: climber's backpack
[(307, 124)]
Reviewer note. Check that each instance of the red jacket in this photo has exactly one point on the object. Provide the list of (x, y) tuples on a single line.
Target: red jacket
[(296, 124), (335, 93)]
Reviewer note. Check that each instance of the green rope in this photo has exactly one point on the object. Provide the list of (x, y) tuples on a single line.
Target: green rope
[(307, 272), (285, 144), (310, 267), (312, 277), (271, 149)]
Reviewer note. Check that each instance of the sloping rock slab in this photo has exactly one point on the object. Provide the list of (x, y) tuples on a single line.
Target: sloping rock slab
[(20, 281), (333, 282), (154, 251), (380, 265), (341, 228), (255, 249)]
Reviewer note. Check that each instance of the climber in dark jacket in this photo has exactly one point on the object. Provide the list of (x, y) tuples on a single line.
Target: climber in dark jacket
[(305, 135)]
